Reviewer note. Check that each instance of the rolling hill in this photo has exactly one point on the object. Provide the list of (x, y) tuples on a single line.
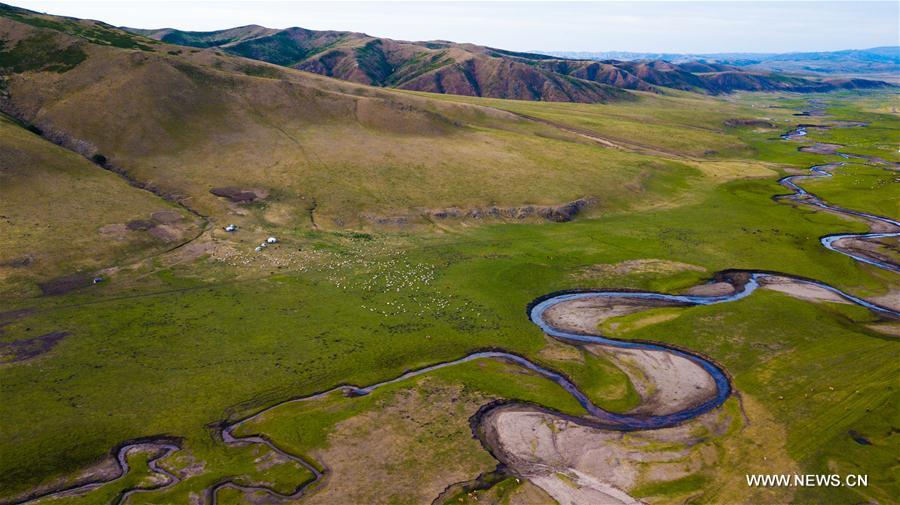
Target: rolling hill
[(473, 70), (195, 127)]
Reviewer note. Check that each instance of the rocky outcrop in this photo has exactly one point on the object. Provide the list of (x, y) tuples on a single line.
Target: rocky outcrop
[(756, 123), (556, 213), (239, 195)]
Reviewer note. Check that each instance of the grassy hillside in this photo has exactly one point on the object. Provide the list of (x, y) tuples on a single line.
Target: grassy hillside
[(62, 215), (187, 121)]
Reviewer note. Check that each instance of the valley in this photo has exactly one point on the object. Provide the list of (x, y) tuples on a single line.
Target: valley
[(468, 299)]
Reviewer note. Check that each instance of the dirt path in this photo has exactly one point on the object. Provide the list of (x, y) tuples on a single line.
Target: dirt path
[(614, 144)]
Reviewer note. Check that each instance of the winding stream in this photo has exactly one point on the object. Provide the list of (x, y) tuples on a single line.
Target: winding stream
[(803, 196), (596, 416), (163, 446)]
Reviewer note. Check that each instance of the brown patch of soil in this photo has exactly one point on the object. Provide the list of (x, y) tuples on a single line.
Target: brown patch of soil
[(65, 284), (115, 229), (665, 382), (21, 350), (711, 289), (166, 216), (585, 315), (165, 233), (194, 250), (886, 328), (800, 290), (424, 428), (873, 249), (890, 300), (240, 195), (555, 213), (881, 227), (384, 220), (578, 464), (19, 262), (821, 148), (642, 266), (140, 225), (757, 123)]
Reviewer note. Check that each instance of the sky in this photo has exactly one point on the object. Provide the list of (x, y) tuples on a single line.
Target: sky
[(640, 26)]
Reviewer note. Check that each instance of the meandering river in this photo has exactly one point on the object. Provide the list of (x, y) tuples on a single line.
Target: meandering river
[(743, 285)]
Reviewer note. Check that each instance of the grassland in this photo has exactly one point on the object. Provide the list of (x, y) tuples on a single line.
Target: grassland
[(852, 181), (61, 214), (145, 357), (354, 153), (179, 341)]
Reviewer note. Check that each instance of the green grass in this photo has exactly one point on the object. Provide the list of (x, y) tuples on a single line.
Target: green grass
[(279, 49), (498, 492), (92, 31), (858, 187), (692, 483), (168, 348), (301, 427), (255, 342), (601, 380), (39, 52), (843, 455), (253, 465), (679, 124)]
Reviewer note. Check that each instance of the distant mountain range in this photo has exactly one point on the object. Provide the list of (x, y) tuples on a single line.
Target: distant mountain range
[(877, 60), (469, 69)]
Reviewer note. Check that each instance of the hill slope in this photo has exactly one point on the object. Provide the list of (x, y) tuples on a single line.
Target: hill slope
[(192, 124), (62, 217), (468, 69)]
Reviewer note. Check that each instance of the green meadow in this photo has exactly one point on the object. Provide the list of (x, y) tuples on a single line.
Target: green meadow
[(171, 349)]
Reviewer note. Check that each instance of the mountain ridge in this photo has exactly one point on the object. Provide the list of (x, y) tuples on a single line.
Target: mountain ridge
[(874, 60), (469, 69)]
